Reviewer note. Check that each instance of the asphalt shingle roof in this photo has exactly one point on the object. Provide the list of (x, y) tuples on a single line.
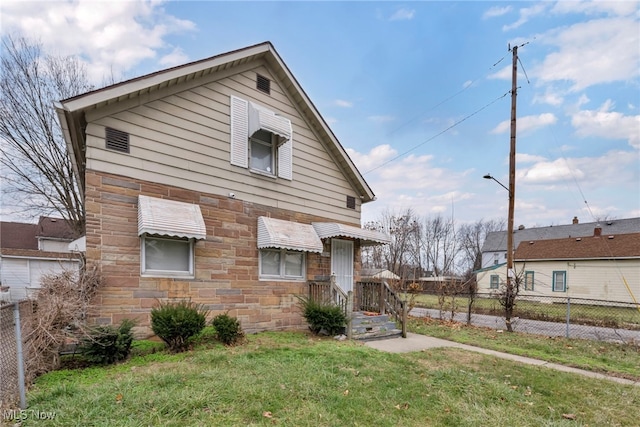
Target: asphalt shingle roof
[(605, 246), (496, 241)]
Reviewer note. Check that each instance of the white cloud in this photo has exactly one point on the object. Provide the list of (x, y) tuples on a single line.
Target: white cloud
[(550, 97), (526, 13), (526, 123), (467, 84), (612, 8), (592, 52), (107, 36), (176, 57), (607, 124), (343, 103), (381, 119), (403, 14), (529, 158), (496, 11), (611, 169)]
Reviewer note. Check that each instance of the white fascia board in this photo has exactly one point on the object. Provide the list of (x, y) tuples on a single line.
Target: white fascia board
[(154, 79)]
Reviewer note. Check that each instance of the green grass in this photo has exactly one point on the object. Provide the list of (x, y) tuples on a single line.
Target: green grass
[(293, 379), (621, 360), (606, 316)]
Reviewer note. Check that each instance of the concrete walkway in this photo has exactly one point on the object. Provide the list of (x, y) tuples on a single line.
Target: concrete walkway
[(417, 342)]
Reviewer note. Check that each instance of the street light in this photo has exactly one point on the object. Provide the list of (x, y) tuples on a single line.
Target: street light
[(488, 176), (510, 294)]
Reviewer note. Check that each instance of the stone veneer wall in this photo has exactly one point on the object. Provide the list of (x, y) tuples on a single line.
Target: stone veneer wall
[(226, 263)]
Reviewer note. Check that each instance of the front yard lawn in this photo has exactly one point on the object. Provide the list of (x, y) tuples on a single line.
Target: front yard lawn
[(293, 379)]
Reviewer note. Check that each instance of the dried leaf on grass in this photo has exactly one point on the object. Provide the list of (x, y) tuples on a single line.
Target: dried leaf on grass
[(569, 416)]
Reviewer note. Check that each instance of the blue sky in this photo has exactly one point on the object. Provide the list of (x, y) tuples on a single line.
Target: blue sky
[(417, 92)]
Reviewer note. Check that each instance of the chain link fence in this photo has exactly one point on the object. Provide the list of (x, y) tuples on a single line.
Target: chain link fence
[(543, 315), (12, 374)]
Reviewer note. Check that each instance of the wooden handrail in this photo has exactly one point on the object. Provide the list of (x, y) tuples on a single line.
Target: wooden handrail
[(330, 292), (378, 297)]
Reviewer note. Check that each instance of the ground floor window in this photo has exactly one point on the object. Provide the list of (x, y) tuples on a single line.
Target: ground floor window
[(495, 282), (559, 281), (282, 264), (167, 257), (528, 280)]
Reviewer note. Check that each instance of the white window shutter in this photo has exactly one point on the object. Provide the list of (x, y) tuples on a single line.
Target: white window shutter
[(239, 132), (285, 158)]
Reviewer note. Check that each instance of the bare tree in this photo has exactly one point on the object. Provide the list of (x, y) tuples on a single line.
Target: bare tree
[(37, 169), (438, 241)]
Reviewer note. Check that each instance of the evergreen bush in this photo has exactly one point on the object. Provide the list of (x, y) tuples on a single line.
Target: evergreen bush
[(176, 322), (108, 344), (228, 329), (323, 316)]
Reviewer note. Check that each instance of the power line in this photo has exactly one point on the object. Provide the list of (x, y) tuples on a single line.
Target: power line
[(438, 134)]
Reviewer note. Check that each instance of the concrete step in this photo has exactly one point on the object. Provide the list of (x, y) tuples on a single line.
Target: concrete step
[(367, 327)]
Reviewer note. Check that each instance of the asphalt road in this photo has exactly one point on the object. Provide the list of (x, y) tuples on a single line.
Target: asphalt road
[(550, 329)]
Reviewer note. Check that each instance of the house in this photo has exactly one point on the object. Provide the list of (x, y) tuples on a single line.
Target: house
[(494, 248), (30, 251), (217, 181), (378, 274), (602, 267)]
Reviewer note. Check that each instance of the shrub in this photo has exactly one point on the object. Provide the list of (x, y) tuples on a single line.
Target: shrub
[(323, 316), (176, 322), (108, 344), (228, 329)]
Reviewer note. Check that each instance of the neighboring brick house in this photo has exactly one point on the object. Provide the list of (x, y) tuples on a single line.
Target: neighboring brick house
[(603, 267), (30, 251), (217, 181)]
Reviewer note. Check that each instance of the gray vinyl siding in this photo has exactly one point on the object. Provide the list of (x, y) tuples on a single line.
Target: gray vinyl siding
[(182, 139)]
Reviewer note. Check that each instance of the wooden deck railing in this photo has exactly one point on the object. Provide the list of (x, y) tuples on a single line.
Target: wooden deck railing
[(373, 296), (378, 297), (331, 292)]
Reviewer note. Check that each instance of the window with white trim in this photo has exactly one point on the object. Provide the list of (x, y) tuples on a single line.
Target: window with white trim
[(559, 281), (282, 264), (528, 280), (494, 282), (166, 257), (496, 259), (261, 140)]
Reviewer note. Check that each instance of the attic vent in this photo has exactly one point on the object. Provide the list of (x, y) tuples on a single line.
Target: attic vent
[(117, 140), (263, 84), (351, 202)]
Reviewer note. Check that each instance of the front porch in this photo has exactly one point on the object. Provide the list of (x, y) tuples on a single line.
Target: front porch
[(373, 309)]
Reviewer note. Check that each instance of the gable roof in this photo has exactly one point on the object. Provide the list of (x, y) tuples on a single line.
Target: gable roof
[(54, 228), (20, 235), (593, 247), (71, 112), (496, 241)]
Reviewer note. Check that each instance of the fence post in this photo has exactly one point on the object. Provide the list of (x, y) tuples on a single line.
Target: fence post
[(568, 314), (19, 355), (349, 314)]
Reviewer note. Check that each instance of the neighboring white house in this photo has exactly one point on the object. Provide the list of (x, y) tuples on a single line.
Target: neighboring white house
[(603, 267), (378, 274), (494, 249), (30, 251)]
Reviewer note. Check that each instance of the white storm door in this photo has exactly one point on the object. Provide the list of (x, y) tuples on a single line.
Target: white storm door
[(342, 263)]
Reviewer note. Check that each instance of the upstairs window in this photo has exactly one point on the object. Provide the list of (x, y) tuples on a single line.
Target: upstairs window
[(261, 140), (262, 152)]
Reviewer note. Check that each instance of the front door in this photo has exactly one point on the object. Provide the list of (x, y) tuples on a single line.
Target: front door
[(342, 263)]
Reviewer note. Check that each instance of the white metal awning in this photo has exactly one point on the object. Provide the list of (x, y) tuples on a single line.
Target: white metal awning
[(261, 118), (277, 233), (170, 218), (366, 237)]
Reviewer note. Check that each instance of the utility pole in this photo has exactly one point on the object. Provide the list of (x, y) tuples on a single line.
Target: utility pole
[(510, 291)]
